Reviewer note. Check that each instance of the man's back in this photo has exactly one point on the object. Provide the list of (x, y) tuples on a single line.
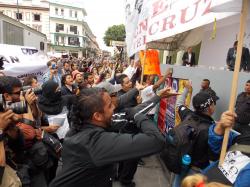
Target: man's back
[(89, 154), (200, 157)]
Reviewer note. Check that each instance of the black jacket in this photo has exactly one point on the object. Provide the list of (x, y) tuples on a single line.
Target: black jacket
[(185, 59), (88, 156), (201, 151), (245, 59), (66, 91), (242, 109)]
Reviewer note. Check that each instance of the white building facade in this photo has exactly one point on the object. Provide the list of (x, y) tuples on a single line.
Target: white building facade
[(67, 31), (13, 32), (33, 13)]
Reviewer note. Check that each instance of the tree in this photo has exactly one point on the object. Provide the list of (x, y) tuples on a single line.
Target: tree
[(116, 33)]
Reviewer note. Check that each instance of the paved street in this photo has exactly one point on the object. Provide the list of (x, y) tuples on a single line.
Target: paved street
[(150, 175)]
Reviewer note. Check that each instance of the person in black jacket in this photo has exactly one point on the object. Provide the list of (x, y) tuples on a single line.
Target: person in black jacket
[(231, 57), (242, 109), (90, 150), (204, 108), (68, 87), (188, 58), (205, 86)]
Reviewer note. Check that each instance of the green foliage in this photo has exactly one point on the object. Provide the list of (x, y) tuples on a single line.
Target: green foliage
[(116, 33)]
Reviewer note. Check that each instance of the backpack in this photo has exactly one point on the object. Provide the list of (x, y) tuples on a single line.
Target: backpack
[(180, 141)]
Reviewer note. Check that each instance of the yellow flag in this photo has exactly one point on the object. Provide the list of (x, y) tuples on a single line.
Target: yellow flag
[(213, 36)]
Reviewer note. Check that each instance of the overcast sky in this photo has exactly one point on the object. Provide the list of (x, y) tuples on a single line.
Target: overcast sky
[(102, 14)]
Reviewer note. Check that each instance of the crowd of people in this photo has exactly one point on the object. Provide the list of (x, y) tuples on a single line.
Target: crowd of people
[(90, 121)]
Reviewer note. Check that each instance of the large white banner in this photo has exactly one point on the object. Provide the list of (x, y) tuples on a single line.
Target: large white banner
[(151, 20), (20, 61)]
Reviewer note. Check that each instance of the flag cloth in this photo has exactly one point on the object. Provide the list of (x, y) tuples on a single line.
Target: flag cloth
[(152, 62)]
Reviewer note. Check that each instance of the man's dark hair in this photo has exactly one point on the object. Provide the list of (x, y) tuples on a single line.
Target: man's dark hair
[(66, 62), (207, 81), (49, 63), (87, 103), (63, 79), (121, 78), (86, 75), (235, 43), (27, 81), (8, 83), (248, 81)]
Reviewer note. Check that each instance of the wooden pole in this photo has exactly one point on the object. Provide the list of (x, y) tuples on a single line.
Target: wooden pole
[(143, 64), (243, 18)]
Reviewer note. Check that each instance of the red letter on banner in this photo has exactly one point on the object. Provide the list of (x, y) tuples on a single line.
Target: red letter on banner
[(159, 7), (184, 13), (166, 22)]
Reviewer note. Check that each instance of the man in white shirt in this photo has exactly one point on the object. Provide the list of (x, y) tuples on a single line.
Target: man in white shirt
[(149, 92)]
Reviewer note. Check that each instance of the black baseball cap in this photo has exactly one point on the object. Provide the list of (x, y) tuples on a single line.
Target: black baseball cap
[(202, 100)]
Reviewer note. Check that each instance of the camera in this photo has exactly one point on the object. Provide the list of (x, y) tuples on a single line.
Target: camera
[(53, 66), (17, 107), (36, 90)]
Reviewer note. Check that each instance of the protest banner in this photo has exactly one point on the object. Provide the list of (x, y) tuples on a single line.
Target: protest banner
[(152, 20), (168, 115), (151, 64), (21, 61)]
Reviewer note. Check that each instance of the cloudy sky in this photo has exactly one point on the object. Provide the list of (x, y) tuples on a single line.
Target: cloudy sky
[(102, 14)]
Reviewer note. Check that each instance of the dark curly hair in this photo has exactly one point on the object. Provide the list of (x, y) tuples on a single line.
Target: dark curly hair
[(63, 79), (86, 104)]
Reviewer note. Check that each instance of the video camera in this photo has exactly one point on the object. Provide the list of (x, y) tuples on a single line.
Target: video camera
[(37, 90), (17, 107)]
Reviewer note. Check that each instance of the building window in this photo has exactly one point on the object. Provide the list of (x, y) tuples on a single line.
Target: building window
[(37, 17), (75, 14), (73, 41), (19, 16), (73, 29), (56, 11), (59, 27), (27, 15), (42, 46), (71, 13), (62, 12)]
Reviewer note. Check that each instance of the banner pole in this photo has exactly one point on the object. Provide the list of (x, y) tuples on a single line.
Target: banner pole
[(143, 64), (243, 18)]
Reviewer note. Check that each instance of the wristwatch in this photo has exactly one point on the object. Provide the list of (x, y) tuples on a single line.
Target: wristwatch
[(1, 135)]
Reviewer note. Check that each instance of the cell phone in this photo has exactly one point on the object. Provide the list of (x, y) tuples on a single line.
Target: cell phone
[(53, 66)]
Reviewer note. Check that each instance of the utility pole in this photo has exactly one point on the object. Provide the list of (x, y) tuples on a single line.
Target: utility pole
[(17, 6)]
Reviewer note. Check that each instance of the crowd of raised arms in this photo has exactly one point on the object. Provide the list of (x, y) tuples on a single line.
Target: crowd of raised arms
[(88, 122)]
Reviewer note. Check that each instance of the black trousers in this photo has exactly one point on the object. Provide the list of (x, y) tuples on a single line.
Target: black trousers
[(126, 170)]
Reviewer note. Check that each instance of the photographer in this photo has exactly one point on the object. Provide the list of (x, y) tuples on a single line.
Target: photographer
[(8, 176), (52, 73), (31, 81), (12, 93), (28, 155)]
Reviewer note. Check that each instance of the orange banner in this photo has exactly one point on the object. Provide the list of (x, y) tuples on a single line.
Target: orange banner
[(152, 62)]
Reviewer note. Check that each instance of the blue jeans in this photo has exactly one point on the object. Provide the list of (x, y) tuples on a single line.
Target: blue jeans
[(179, 177)]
